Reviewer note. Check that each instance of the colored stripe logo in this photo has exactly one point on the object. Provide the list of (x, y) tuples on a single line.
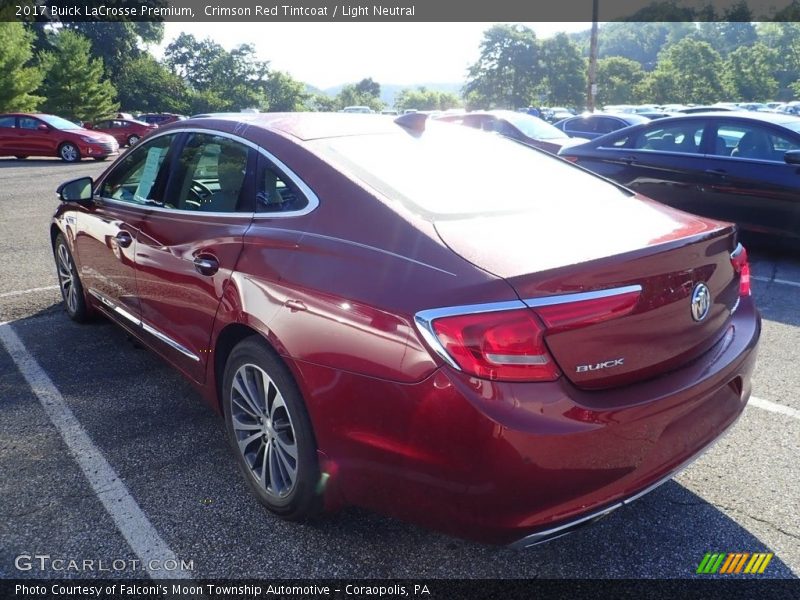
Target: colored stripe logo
[(732, 563)]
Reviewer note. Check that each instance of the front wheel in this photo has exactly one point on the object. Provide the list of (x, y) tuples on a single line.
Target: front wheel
[(132, 139), (69, 282), (69, 152), (270, 432)]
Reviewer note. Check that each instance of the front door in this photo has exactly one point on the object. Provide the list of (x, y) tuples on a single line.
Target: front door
[(107, 231)]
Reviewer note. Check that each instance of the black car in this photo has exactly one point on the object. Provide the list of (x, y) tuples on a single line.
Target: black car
[(741, 167), (594, 125)]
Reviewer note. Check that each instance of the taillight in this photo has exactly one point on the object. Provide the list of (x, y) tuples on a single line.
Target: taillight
[(742, 268), (572, 159), (508, 343), (590, 311), (502, 346)]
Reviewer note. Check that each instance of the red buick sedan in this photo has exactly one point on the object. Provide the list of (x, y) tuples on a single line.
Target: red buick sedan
[(23, 135), (410, 317), (126, 131)]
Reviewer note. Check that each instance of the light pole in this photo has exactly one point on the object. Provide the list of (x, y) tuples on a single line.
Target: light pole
[(591, 92)]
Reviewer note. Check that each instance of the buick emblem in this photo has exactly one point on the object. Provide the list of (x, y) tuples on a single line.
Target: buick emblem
[(701, 301)]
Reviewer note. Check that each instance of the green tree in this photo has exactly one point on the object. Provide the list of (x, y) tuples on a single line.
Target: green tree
[(18, 80), (784, 39), (145, 85), (425, 99), (688, 71), (118, 42), (749, 73), (364, 93), (322, 103), (74, 84), (507, 70), (285, 94), (617, 80), (220, 80), (564, 72)]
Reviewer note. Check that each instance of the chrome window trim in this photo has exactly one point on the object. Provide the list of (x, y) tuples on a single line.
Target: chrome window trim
[(424, 319), (113, 306), (311, 197)]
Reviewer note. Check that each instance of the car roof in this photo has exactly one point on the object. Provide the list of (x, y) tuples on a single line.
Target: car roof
[(767, 117), (304, 126)]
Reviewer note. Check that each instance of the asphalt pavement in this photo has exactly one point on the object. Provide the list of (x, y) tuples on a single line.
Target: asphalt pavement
[(90, 423)]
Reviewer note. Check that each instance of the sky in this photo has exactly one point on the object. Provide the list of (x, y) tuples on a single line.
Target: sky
[(329, 54)]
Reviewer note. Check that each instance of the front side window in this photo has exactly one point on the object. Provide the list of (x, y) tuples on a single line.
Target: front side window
[(212, 175), (753, 142), (676, 137), (140, 177)]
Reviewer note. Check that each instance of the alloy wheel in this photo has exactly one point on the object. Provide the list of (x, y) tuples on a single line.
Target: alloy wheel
[(263, 428), (66, 279)]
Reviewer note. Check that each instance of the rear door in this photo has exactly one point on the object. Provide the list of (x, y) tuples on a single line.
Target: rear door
[(188, 248), (8, 135)]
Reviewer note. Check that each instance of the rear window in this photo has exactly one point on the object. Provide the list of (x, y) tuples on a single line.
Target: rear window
[(451, 172)]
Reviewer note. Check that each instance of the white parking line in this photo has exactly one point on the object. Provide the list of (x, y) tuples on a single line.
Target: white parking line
[(781, 409), (781, 281), (106, 484), (30, 291)]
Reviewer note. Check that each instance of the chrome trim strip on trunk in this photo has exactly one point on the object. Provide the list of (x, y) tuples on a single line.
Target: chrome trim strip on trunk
[(581, 296), (148, 328)]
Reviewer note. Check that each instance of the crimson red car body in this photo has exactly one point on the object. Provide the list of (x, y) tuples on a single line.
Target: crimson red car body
[(126, 131), (372, 299), (36, 134)]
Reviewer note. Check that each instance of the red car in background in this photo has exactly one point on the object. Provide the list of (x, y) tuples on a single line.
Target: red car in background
[(35, 134), (418, 318), (126, 131)]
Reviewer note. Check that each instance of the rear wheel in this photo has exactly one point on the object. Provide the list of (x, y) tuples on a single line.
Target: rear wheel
[(270, 432), (69, 152), (69, 282)]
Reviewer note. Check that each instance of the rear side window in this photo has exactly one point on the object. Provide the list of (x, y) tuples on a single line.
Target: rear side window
[(676, 137), (8, 122), (277, 193)]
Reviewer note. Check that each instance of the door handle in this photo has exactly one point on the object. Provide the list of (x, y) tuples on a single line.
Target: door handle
[(124, 239), (205, 264), (295, 305)]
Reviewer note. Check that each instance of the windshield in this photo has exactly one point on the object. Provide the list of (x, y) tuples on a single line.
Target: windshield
[(454, 172), (58, 122), (534, 127)]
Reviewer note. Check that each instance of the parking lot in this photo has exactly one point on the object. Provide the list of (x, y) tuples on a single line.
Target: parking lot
[(83, 410)]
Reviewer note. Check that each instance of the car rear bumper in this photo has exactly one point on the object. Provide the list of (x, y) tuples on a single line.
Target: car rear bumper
[(512, 462)]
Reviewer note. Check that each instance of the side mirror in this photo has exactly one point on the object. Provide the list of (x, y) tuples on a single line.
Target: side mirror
[(792, 157), (42, 127), (77, 190)]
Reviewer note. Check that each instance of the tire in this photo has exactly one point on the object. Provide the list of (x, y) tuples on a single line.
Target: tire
[(69, 152), (266, 422), (21, 156), (132, 139), (69, 282)]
